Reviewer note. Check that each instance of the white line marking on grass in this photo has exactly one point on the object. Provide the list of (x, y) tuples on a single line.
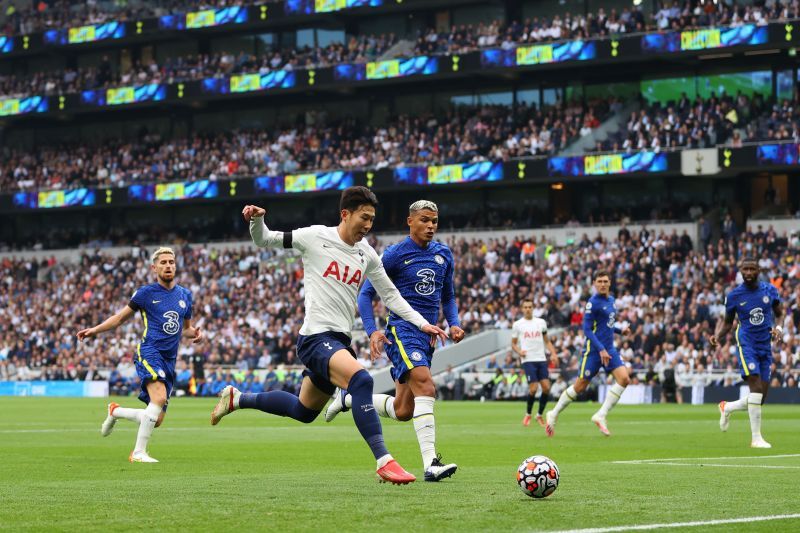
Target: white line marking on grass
[(650, 461), (743, 520), (695, 465)]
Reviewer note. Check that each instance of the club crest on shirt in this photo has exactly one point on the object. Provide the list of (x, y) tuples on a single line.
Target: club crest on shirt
[(765, 299), (161, 374), (439, 259), (751, 366), (416, 356), (182, 304)]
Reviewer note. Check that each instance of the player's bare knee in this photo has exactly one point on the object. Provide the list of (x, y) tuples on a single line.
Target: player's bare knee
[(623, 381), (545, 388), (580, 385)]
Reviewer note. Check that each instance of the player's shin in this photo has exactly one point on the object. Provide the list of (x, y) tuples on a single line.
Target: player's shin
[(754, 408), (148, 421), (384, 404), (542, 402), (567, 397), (612, 397), (425, 426), (531, 399), (279, 403), (134, 415), (738, 405), (365, 416)]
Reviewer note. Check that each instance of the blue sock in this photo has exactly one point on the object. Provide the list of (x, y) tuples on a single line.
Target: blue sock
[(279, 403), (364, 414)]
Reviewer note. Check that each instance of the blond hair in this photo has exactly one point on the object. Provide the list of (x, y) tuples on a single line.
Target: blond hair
[(161, 250)]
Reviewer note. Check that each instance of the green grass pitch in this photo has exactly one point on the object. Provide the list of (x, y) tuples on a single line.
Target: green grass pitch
[(260, 472)]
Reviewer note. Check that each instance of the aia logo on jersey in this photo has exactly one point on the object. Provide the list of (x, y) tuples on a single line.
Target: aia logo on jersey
[(531, 334), (334, 271)]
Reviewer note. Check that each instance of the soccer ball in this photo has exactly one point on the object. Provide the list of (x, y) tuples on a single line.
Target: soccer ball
[(537, 476)]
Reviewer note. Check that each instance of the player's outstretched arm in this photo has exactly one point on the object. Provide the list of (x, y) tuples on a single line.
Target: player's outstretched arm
[(110, 323), (262, 236), (449, 305)]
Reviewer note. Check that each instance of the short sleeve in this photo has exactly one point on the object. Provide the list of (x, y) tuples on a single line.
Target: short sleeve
[(515, 330), (138, 299), (544, 327)]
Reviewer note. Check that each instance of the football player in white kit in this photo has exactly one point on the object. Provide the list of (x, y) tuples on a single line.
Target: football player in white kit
[(528, 341), (336, 261)]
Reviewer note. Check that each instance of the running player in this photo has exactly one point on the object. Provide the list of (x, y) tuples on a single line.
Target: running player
[(757, 305), (422, 269), (166, 310), (528, 341), (337, 260), (599, 328)]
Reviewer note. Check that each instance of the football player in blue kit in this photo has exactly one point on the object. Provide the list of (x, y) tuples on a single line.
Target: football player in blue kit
[(422, 270), (599, 328), (757, 306), (166, 310)]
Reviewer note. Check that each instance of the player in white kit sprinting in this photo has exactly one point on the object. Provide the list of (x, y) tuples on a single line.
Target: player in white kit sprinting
[(528, 341), (336, 261)]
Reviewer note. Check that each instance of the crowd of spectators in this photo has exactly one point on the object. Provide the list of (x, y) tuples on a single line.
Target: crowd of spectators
[(194, 67), (673, 16), (53, 14), (313, 142), (43, 15), (701, 123), (358, 49), (249, 303)]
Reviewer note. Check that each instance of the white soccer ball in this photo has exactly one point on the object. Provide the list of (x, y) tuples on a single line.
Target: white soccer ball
[(537, 476)]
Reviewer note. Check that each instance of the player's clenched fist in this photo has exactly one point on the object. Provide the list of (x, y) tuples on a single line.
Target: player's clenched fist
[(253, 211)]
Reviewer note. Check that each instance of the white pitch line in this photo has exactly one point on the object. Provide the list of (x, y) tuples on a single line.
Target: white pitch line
[(743, 520), (648, 461), (695, 465)]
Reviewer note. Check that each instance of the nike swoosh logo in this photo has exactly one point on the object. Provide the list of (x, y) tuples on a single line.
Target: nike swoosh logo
[(409, 261), (156, 301), (743, 303), (326, 246)]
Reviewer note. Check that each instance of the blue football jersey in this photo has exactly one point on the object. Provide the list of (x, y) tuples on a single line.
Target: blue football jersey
[(598, 323), (753, 308), (163, 312), (424, 277)]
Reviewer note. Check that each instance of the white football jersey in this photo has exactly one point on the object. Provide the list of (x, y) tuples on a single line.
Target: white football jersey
[(530, 335), (334, 274)]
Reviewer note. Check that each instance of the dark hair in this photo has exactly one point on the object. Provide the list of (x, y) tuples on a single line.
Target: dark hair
[(526, 300), (601, 274), (354, 197), (749, 259)]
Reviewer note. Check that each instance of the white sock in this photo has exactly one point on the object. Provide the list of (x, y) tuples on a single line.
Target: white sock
[(384, 404), (149, 419), (425, 426), (612, 397), (383, 459), (738, 405), (567, 397), (754, 407), (134, 415)]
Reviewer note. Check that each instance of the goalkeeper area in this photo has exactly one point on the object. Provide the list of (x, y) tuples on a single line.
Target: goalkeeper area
[(666, 467)]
